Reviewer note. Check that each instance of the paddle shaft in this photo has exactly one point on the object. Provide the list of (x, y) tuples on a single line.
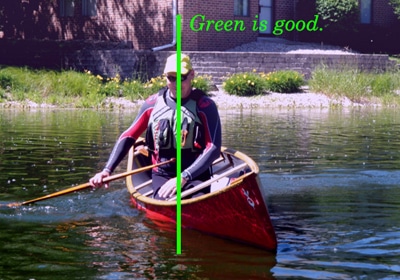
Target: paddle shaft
[(87, 185)]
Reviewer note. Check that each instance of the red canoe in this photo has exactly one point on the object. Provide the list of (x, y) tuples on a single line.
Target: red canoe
[(234, 209)]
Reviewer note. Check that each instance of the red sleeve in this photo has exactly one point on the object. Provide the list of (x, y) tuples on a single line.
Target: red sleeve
[(129, 136)]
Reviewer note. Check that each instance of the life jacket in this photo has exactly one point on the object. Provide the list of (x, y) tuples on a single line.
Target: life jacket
[(162, 127)]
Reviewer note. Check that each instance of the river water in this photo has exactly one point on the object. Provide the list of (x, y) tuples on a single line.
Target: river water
[(331, 180)]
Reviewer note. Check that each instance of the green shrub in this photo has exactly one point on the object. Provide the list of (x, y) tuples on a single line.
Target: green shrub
[(6, 80), (396, 7), (202, 82), (18, 80), (244, 84), (338, 14), (134, 90), (155, 84), (286, 81)]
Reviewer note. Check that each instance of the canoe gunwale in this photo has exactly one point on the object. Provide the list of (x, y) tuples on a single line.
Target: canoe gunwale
[(139, 196), (236, 212)]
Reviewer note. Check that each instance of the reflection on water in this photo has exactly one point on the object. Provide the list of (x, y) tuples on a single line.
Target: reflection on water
[(330, 178), (307, 140)]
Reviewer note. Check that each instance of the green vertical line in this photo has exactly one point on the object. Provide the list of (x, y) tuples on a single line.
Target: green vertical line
[(178, 136)]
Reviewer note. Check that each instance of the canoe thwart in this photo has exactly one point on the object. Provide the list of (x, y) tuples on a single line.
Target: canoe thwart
[(210, 181)]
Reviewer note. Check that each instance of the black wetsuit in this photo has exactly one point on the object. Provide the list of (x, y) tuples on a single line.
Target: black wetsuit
[(196, 165)]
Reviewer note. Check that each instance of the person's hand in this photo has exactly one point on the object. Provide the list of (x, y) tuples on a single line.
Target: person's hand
[(169, 188), (97, 180)]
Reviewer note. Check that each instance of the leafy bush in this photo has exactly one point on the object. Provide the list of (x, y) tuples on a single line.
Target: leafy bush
[(134, 90), (283, 81), (110, 86), (244, 84), (154, 85), (252, 83), (340, 19), (202, 82), (340, 13), (6, 80), (396, 7)]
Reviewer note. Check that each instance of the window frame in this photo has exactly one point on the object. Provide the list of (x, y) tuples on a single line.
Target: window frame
[(364, 5), (241, 8), (67, 8), (89, 8)]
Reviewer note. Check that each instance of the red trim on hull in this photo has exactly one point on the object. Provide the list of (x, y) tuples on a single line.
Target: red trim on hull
[(239, 214)]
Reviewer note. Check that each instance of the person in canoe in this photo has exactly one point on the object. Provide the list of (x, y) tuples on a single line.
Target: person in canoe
[(200, 131)]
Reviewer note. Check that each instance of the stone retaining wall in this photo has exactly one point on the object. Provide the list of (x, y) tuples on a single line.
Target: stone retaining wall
[(129, 63), (146, 64), (219, 64)]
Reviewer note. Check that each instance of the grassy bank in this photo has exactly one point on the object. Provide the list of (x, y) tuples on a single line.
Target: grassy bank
[(75, 89), (381, 88), (85, 90)]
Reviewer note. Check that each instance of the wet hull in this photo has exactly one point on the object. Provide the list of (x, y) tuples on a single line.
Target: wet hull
[(236, 211)]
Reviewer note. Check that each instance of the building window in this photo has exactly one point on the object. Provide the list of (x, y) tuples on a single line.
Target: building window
[(366, 11), (89, 8), (67, 8), (241, 8)]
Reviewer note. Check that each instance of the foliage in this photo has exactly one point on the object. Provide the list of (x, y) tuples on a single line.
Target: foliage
[(110, 86), (134, 90), (338, 11), (252, 83), (6, 80), (283, 81), (396, 7), (357, 86), (202, 82), (340, 20), (71, 88), (154, 85), (244, 84)]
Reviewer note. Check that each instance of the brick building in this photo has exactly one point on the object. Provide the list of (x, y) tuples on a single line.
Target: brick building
[(145, 24)]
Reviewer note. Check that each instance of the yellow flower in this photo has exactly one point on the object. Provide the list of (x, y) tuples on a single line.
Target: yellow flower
[(254, 70)]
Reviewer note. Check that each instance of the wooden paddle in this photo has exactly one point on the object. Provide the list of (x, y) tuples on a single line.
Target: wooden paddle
[(87, 185)]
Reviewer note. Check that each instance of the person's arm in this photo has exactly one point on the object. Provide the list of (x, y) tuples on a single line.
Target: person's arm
[(209, 116), (128, 137), (125, 141)]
